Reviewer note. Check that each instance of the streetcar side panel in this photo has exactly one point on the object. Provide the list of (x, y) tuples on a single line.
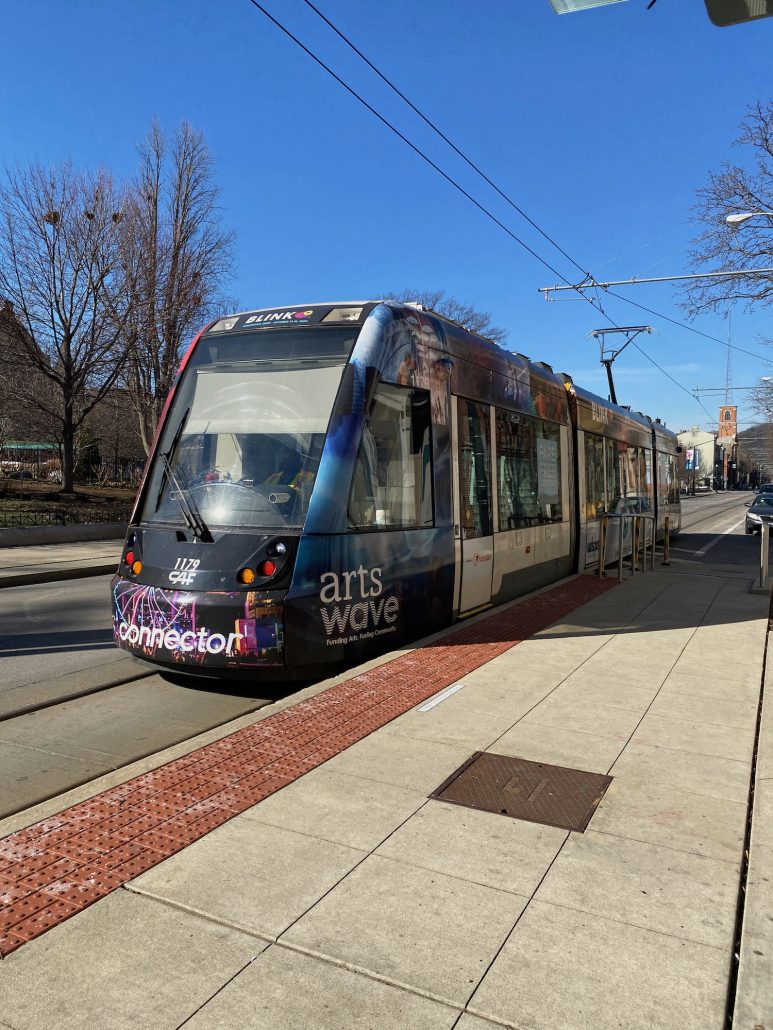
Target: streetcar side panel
[(375, 564), (616, 475)]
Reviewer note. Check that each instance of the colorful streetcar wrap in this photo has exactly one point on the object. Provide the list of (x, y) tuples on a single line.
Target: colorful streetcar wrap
[(331, 480)]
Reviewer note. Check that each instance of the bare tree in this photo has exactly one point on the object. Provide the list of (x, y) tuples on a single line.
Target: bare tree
[(60, 267), (6, 432), (176, 257), (734, 189), (761, 401), (471, 318)]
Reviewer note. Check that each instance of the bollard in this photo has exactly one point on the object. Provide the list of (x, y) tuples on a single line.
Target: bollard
[(602, 545), (634, 544), (764, 554), (666, 542)]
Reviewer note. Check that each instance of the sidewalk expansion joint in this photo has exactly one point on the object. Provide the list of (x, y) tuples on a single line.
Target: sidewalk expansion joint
[(60, 865)]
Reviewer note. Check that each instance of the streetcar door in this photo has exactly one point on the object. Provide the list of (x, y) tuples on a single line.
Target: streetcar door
[(475, 499)]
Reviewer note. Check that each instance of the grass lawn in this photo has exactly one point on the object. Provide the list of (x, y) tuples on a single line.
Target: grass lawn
[(30, 502)]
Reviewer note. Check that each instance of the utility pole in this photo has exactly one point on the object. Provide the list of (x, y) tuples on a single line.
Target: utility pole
[(729, 373), (608, 356)]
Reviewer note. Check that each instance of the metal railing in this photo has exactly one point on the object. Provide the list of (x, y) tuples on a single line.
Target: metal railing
[(643, 535), (71, 517)]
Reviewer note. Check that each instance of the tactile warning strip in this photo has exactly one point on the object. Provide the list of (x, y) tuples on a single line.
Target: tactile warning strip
[(61, 865), (549, 794)]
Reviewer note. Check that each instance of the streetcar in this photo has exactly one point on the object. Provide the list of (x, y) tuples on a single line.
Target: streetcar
[(333, 480)]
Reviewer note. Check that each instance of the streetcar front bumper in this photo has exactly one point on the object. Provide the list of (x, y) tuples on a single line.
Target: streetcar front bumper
[(199, 631)]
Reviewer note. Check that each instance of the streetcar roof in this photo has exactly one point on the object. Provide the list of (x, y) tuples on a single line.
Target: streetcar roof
[(599, 415), (355, 312)]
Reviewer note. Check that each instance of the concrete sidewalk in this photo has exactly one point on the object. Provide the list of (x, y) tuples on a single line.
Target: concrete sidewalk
[(351, 899), (45, 563)]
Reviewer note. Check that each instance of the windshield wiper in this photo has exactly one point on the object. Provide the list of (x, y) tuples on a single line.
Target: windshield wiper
[(188, 506), (191, 513)]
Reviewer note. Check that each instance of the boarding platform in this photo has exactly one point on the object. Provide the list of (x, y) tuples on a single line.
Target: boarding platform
[(414, 843)]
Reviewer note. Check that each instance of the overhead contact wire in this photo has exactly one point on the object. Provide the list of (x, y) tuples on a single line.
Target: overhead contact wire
[(683, 325), (428, 121), (384, 121), (452, 182)]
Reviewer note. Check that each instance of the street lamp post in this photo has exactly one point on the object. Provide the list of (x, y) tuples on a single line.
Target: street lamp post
[(744, 216)]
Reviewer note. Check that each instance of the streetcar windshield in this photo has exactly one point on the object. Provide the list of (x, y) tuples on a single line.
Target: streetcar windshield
[(244, 438)]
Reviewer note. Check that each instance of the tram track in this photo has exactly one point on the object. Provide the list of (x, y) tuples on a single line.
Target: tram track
[(706, 514), (39, 705), (55, 745)]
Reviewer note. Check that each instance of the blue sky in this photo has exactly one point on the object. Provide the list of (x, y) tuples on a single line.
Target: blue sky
[(600, 125)]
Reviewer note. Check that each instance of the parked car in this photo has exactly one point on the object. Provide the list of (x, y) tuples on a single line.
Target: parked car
[(760, 512)]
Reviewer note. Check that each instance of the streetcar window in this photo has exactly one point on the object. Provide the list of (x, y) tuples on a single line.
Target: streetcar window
[(528, 471), (244, 446), (475, 469), (595, 476), (624, 477), (392, 482), (330, 342), (664, 479), (648, 488)]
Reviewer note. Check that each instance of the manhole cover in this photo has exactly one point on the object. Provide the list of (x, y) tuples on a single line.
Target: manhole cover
[(549, 794)]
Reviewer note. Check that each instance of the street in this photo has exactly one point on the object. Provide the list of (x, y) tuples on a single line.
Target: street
[(716, 521), (56, 643)]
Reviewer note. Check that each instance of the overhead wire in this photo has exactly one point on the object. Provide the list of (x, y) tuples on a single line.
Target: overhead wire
[(342, 35), (669, 376), (596, 304), (449, 179), (442, 135), (689, 328)]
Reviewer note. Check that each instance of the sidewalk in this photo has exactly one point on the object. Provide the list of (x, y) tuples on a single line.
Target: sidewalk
[(44, 563), (295, 872)]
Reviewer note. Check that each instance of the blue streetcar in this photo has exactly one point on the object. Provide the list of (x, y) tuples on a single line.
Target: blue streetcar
[(332, 480)]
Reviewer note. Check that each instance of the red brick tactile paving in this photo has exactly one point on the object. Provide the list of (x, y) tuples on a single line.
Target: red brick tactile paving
[(61, 865)]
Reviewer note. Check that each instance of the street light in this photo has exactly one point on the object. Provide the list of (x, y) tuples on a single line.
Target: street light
[(744, 216)]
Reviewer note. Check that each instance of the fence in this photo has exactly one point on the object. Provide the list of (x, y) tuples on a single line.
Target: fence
[(69, 517), (643, 533)]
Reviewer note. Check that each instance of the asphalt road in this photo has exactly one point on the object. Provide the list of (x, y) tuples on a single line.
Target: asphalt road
[(56, 643), (715, 522)]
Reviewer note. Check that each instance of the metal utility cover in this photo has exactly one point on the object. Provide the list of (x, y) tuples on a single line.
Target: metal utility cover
[(540, 793)]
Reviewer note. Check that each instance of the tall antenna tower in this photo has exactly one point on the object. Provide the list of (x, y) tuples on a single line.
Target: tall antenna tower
[(729, 372)]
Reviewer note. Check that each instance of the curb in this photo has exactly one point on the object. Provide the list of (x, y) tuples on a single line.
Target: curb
[(24, 579), (36, 536)]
